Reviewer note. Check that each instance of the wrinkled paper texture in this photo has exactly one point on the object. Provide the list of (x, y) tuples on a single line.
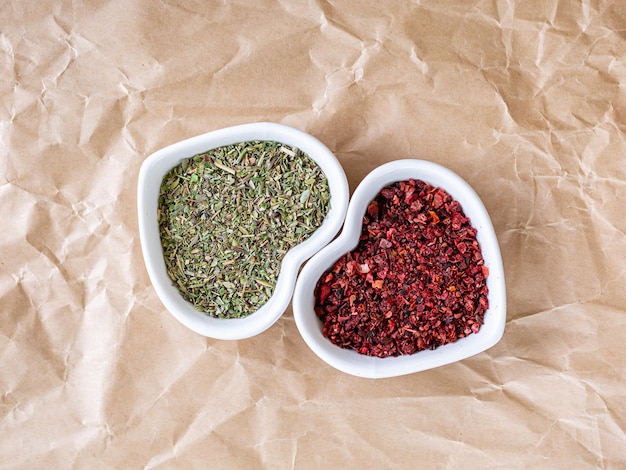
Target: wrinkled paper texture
[(525, 100)]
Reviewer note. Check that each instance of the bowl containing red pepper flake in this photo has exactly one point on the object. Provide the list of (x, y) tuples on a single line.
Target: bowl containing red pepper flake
[(414, 281)]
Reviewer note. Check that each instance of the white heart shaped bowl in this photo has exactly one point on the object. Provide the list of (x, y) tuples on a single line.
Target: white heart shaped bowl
[(149, 183), (350, 361)]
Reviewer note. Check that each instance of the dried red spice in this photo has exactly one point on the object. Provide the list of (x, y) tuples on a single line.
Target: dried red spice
[(416, 280)]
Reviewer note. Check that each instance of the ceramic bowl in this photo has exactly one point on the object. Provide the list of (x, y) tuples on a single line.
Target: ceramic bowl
[(150, 178), (360, 365)]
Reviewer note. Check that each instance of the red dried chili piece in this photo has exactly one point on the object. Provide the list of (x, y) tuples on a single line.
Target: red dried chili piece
[(415, 281)]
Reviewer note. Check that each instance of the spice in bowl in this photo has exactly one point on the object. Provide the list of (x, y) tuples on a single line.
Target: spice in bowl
[(228, 216), (415, 281)]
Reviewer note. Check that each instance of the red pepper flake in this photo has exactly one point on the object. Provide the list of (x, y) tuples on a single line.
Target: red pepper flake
[(416, 280)]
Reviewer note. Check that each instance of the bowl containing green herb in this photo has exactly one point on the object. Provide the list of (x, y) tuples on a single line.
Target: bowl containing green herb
[(227, 218)]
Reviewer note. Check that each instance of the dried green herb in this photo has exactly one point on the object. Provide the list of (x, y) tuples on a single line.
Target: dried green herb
[(228, 216)]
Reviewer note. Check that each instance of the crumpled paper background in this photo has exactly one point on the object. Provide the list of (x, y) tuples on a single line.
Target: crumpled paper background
[(525, 100)]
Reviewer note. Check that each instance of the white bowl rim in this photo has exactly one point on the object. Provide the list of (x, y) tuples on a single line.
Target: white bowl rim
[(149, 182), (359, 365)]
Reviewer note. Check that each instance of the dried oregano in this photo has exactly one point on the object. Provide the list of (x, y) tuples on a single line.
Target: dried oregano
[(228, 216)]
